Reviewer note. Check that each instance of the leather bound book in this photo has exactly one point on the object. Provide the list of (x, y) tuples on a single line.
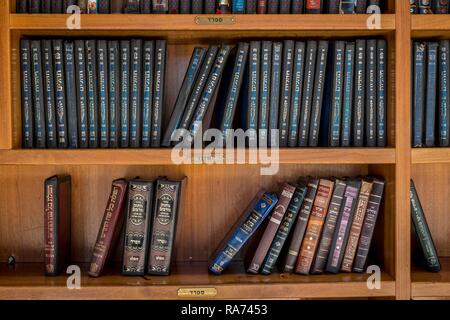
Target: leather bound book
[(34, 6), (110, 227), (382, 93), (60, 93), (413, 6), (103, 6), (443, 94), (297, 85), (224, 7), (22, 6), (272, 228), (347, 7), (40, 135), (160, 6), (333, 6), (117, 6), (69, 3), (275, 83), (355, 230), (347, 101), (71, 102), (114, 92), (46, 6), (174, 6), (315, 226), (83, 4), (146, 6), (285, 6), (254, 71), (360, 93), (27, 95), (262, 7), (251, 6), (103, 101), (125, 61), (273, 6), (92, 6), (158, 93), (297, 235), (81, 89), (430, 106), (57, 205), (329, 227), (148, 56), (343, 226), (419, 86), (49, 93), (165, 215), (185, 6), (57, 6), (425, 7), (314, 6), (264, 93), (286, 91), (297, 6), (371, 93), (334, 139), (92, 77), (210, 6), (238, 6), (373, 208), (138, 218), (197, 6), (135, 93), (132, 6), (439, 6), (361, 6)]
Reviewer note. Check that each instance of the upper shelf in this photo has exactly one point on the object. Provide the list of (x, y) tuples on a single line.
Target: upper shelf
[(433, 25)]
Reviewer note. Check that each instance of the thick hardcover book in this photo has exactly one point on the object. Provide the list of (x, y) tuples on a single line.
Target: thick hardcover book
[(250, 221), (57, 204), (381, 93), (146, 6), (439, 6), (197, 6), (114, 92), (419, 93), (347, 100), (185, 6), (125, 93), (297, 6), (46, 6), (57, 6), (333, 6), (60, 89), (424, 7), (92, 80), (27, 95), (251, 6), (40, 135), (347, 6), (356, 227), (71, 103), (165, 215), (224, 7), (21, 6), (253, 92), (262, 7), (135, 93), (132, 6), (361, 6), (360, 94), (376, 196), (444, 93), (238, 6), (297, 235), (103, 6), (83, 4), (413, 8), (314, 6), (158, 92), (160, 6), (174, 6), (148, 57), (315, 226), (285, 6), (110, 227), (272, 228), (34, 6), (319, 83), (210, 6), (285, 228), (264, 92), (286, 88), (430, 109), (329, 227), (343, 225), (117, 6), (49, 93), (308, 92), (92, 6), (81, 93), (273, 6), (103, 91), (296, 98), (337, 94), (423, 233), (371, 93), (275, 83), (138, 218)]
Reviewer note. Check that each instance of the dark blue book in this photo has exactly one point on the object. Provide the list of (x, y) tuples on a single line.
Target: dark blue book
[(148, 56), (251, 220), (72, 118), (49, 93), (158, 93), (275, 92), (413, 6), (253, 92), (347, 100), (102, 60), (439, 6), (91, 67), (381, 93), (297, 6), (286, 88), (285, 6), (38, 95), (336, 100), (371, 93), (424, 7), (60, 89), (135, 93), (264, 92), (419, 93), (238, 6), (325, 121), (432, 76), (347, 6), (81, 89), (360, 94), (444, 94), (361, 6), (114, 92), (124, 93), (27, 95)]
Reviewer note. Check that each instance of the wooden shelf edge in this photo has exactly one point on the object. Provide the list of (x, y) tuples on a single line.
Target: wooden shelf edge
[(434, 22), (430, 155), (430, 289)]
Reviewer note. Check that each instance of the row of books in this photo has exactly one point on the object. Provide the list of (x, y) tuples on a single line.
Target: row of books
[(147, 210), (431, 94), (199, 6), (315, 226), (89, 93), (429, 6)]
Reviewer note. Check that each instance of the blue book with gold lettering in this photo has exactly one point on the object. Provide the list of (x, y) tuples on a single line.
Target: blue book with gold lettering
[(38, 95), (27, 95), (91, 63), (371, 93), (60, 90), (114, 92), (419, 93), (102, 56), (347, 100), (71, 95), (135, 93), (124, 93), (381, 93), (238, 6), (443, 94), (148, 58), (81, 90), (49, 93), (337, 86), (253, 91), (360, 93), (430, 111)]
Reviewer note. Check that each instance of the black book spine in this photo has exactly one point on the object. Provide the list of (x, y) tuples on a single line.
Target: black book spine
[(148, 57), (57, 6), (277, 55), (132, 6), (114, 93), (197, 6), (297, 6), (27, 95), (104, 6), (34, 6), (347, 7), (361, 6), (308, 91), (264, 97), (371, 96), (439, 6), (160, 6), (286, 88), (158, 93), (224, 7), (174, 6), (347, 103), (38, 95), (273, 6), (60, 88), (125, 93), (333, 6), (419, 93), (135, 92), (360, 93), (145, 6), (319, 83), (381, 93), (413, 6), (82, 100), (102, 69), (337, 94), (49, 93), (185, 6), (21, 6), (430, 112), (253, 92), (285, 6), (83, 4), (72, 119), (210, 6), (251, 6), (425, 6), (46, 6), (443, 95), (68, 3), (91, 63)]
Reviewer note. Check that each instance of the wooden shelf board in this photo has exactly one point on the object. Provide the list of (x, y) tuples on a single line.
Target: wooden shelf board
[(425, 26), (163, 156), (26, 281), (430, 155), (430, 284)]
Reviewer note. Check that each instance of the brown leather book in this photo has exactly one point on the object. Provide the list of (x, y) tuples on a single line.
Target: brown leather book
[(117, 6), (272, 228), (57, 203), (110, 227), (315, 226), (262, 7), (355, 231)]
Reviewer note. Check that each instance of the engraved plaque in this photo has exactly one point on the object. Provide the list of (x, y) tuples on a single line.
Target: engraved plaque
[(215, 20), (197, 292)]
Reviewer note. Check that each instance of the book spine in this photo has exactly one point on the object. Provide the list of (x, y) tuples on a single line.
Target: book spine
[(251, 6), (102, 69), (329, 228), (146, 6), (413, 6), (371, 95), (46, 6), (238, 6), (337, 93), (273, 6), (210, 6), (224, 7), (356, 227), (285, 6), (38, 94), (425, 7), (264, 96), (439, 6), (381, 94), (443, 94), (423, 232), (347, 101), (275, 92), (92, 6), (159, 6), (147, 91), (103, 6), (83, 5), (262, 7), (333, 6), (319, 83), (297, 6), (253, 220), (110, 227), (197, 6), (114, 93), (72, 117), (34, 6), (27, 95), (138, 218), (81, 93), (51, 208), (419, 93), (117, 6), (68, 4), (368, 228), (430, 110), (315, 226), (313, 6), (174, 6), (286, 88), (49, 93), (158, 93), (360, 93), (165, 218), (132, 6), (125, 93), (347, 6), (361, 6), (91, 63), (57, 6), (272, 228), (185, 7), (253, 92), (342, 228), (21, 6), (60, 89), (135, 92), (300, 227)]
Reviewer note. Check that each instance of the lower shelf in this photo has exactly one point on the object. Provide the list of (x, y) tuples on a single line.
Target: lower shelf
[(26, 281), (429, 284)]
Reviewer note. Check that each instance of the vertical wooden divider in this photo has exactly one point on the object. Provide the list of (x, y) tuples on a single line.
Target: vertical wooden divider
[(5, 83)]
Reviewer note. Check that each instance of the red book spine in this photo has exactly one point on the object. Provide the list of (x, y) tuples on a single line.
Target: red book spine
[(313, 6), (262, 7), (49, 228)]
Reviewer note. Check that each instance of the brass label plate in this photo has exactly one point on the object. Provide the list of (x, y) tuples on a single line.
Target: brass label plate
[(197, 292), (215, 20)]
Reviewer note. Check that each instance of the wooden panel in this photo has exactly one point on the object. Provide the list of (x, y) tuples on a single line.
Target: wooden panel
[(431, 155), (5, 106), (432, 285)]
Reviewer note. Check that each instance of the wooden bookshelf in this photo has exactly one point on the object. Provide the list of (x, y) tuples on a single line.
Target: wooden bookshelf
[(431, 285)]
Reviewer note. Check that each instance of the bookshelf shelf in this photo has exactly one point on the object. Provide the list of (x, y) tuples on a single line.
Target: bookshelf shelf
[(433, 155), (431, 285), (436, 25)]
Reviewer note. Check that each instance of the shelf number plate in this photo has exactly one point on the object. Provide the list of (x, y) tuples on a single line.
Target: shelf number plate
[(215, 20), (197, 292)]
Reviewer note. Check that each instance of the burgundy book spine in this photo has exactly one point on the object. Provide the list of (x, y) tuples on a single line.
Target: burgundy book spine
[(251, 6), (262, 7), (210, 6), (313, 6), (117, 6), (174, 6), (297, 6), (273, 6), (160, 6), (185, 6), (285, 6)]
